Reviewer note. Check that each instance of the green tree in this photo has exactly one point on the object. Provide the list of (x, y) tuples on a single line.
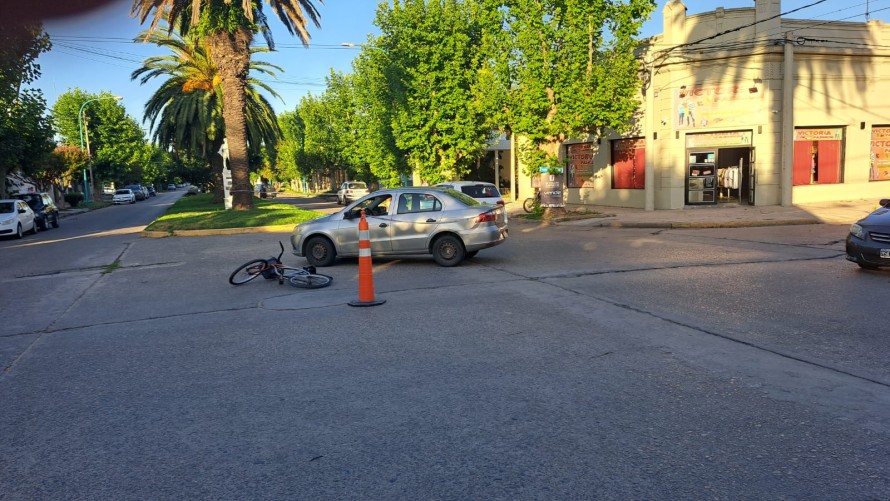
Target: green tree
[(567, 69), (229, 28), (25, 130), (186, 111), (437, 83), (116, 140), (373, 115)]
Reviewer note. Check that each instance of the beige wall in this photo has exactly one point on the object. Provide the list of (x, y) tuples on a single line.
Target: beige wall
[(835, 85)]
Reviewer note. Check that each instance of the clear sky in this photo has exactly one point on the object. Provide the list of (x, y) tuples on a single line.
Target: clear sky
[(95, 51)]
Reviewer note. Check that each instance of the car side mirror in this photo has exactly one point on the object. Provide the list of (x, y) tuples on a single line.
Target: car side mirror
[(885, 202)]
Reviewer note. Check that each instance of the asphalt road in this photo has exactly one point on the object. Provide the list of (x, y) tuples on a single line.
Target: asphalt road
[(566, 363)]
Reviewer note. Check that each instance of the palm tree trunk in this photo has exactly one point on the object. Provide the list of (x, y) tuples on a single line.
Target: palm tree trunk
[(217, 163), (230, 52)]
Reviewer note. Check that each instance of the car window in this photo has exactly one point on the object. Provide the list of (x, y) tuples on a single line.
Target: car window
[(375, 206), (122, 192), (410, 203), (7, 207), (480, 191)]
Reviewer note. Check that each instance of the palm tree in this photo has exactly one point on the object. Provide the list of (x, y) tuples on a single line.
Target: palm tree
[(228, 27), (185, 113)]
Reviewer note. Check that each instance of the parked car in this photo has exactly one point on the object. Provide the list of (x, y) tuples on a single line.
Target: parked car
[(193, 190), (16, 218), (351, 190), (45, 210), (171, 187), (138, 191), (868, 243), (151, 191), (486, 193), (124, 196), (422, 220)]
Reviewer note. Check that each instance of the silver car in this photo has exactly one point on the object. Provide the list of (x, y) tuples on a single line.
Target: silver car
[(424, 220)]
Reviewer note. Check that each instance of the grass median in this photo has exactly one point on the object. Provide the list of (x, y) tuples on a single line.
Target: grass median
[(198, 212)]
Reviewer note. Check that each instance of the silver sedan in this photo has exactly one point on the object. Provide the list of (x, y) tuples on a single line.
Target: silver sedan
[(402, 221)]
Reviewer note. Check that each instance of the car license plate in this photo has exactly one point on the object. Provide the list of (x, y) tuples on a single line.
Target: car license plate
[(885, 253)]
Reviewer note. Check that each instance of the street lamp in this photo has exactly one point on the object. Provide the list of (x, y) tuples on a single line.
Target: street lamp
[(81, 126)]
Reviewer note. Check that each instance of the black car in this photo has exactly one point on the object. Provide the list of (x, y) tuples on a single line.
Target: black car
[(868, 243), (152, 192), (45, 210), (141, 194)]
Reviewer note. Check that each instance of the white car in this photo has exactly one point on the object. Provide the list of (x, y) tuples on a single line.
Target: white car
[(486, 193), (124, 196), (16, 218), (351, 190)]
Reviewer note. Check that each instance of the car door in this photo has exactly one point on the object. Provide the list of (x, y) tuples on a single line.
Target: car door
[(26, 216), (415, 219), (377, 213)]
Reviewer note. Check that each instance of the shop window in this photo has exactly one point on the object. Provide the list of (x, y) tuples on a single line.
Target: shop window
[(879, 165), (817, 157), (628, 164)]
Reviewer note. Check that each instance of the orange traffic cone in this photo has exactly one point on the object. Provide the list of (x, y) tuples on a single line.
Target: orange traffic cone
[(365, 269)]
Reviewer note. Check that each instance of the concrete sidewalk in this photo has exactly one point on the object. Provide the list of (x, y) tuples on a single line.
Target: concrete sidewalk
[(719, 216)]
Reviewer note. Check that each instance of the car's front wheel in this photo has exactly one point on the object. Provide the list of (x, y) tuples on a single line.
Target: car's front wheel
[(18, 231), (448, 250), (56, 221), (43, 224), (320, 251)]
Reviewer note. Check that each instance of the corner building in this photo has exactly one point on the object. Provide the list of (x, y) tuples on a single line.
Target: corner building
[(743, 106)]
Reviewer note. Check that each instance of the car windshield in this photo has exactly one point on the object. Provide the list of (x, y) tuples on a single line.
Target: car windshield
[(122, 192), (480, 191), (7, 207)]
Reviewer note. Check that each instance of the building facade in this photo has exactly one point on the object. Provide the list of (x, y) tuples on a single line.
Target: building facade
[(744, 106)]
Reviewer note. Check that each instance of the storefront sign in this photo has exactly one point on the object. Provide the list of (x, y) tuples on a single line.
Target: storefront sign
[(580, 165), (697, 107), (550, 184), (880, 154), (818, 134), (719, 139)]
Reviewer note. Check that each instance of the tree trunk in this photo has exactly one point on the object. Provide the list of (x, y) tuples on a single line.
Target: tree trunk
[(230, 53), (216, 167)]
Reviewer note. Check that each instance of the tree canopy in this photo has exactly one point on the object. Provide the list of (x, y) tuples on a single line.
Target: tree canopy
[(26, 136)]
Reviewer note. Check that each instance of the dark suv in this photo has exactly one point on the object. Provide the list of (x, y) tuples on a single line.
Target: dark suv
[(45, 210)]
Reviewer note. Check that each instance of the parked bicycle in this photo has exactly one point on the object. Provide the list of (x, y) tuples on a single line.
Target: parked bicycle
[(273, 268), (532, 204)]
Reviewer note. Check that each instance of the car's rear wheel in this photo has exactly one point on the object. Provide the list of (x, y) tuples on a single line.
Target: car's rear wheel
[(320, 251), (44, 224), (56, 221), (448, 250)]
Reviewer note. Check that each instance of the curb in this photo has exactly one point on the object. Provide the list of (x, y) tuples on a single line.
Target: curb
[(670, 225), (221, 231), (704, 225)]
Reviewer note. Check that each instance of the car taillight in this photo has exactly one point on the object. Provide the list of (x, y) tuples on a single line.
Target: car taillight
[(488, 217), (500, 202)]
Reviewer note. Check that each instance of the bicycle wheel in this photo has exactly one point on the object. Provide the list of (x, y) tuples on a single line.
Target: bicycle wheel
[(529, 205), (309, 281), (248, 271)]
